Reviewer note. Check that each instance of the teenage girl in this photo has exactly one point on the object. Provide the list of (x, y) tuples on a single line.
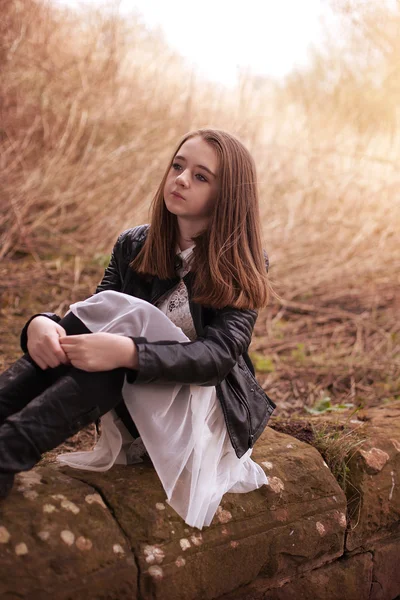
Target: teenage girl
[(159, 352)]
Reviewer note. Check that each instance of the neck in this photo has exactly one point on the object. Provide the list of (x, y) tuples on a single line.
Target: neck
[(188, 230)]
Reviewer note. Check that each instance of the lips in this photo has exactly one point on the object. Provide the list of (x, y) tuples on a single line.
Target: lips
[(177, 195)]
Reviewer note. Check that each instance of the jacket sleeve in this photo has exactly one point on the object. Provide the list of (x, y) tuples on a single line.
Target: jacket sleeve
[(205, 361)]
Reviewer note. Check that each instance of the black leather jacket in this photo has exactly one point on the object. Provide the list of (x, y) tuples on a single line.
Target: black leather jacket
[(218, 356)]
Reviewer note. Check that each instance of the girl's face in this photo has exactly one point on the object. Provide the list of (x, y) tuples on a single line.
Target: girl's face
[(191, 186)]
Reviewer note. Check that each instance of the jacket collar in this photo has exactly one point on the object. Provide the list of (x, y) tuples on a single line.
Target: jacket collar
[(182, 260), (160, 286)]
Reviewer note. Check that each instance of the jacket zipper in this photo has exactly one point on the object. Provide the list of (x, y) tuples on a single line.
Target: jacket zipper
[(243, 401), (247, 407)]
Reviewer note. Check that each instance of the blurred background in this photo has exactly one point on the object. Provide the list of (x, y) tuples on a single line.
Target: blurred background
[(92, 100)]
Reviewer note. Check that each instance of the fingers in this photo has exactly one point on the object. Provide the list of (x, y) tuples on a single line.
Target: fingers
[(40, 363), (52, 351), (72, 346), (45, 359), (61, 331), (48, 352), (82, 365), (44, 345), (52, 358), (73, 340)]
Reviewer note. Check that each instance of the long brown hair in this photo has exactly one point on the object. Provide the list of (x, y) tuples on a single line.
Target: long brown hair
[(228, 259)]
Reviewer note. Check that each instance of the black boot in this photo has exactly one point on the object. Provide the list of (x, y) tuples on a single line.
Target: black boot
[(24, 380), (71, 403)]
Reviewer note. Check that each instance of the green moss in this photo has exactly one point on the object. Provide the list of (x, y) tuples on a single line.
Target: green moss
[(299, 353), (324, 404), (262, 364), (101, 259)]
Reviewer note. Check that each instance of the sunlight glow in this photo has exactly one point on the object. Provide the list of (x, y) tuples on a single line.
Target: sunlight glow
[(221, 37)]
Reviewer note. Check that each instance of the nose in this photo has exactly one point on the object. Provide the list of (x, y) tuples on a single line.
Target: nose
[(183, 178)]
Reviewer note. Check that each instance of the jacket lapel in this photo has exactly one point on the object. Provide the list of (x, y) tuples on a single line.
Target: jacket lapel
[(160, 286)]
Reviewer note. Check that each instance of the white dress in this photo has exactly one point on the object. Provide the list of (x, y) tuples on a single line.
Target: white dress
[(181, 426)]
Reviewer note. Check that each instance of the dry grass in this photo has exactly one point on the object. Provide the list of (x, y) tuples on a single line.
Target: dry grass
[(90, 109), (337, 439)]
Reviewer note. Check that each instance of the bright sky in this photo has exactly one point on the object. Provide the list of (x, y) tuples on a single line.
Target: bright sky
[(271, 37)]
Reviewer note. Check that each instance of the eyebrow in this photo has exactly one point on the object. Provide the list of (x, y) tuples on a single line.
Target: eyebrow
[(198, 166)]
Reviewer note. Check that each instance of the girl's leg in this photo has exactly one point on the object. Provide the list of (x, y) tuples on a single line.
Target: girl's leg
[(74, 326), (24, 380), (72, 402)]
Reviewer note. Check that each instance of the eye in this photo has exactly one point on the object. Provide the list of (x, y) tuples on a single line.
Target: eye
[(176, 166), (201, 177)]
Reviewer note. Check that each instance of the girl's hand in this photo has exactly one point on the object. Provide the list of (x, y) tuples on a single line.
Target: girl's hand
[(100, 351), (44, 342)]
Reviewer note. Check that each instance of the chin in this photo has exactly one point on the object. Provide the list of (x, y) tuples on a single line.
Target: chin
[(175, 210)]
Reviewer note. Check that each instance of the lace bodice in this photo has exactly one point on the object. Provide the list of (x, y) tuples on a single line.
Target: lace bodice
[(175, 304)]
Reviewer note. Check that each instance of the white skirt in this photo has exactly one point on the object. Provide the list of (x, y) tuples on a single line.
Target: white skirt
[(182, 426)]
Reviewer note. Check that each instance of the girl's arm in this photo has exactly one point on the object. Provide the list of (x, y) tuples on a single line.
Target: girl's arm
[(205, 361)]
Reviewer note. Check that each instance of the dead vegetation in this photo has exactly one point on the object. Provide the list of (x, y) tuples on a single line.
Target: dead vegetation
[(90, 109)]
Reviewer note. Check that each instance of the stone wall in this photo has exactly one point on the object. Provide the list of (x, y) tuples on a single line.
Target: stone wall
[(67, 534)]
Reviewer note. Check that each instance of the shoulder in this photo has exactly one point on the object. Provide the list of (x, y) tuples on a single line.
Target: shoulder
[(133, 234), (130, 240)]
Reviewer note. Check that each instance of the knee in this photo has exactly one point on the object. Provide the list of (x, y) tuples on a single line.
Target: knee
[(73, 325)]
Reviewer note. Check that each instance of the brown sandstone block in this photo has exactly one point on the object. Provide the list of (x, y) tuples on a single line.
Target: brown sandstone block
[(386, 570), (293, 524), (58, 540), (374, 496), (347, 578)]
